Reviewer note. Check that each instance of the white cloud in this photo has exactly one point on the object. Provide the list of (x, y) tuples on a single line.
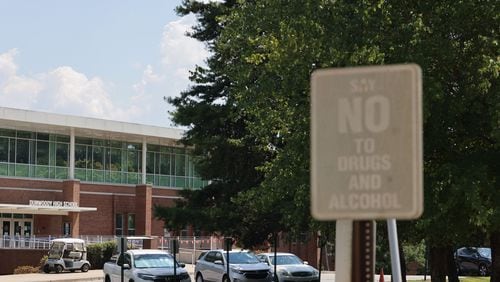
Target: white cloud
[(61, 90), (148, 77), (16, 91), (181, 53)]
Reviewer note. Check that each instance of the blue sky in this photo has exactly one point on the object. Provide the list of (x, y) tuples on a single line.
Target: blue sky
[(107, 59)]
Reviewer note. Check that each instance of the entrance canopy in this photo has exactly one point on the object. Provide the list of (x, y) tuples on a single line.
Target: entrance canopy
[(48, 210)]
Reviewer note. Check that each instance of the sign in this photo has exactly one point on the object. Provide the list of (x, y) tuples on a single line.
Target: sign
[(59, 204), (366, 143)]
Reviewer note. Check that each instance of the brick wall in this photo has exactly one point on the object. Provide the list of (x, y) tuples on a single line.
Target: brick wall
[(19, 257)]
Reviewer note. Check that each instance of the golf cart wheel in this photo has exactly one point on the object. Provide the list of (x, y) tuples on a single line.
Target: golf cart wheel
[(46, 268), (59, 268), (85, 268)]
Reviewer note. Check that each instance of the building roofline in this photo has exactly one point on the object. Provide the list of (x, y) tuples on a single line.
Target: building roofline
[(93, 127)]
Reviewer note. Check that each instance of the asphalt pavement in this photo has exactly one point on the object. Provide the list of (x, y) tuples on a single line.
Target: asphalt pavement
[(97, 275)]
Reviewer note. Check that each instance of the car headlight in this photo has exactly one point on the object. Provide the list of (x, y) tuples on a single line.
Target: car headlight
[(315, 272), (284, 272), (146, 276), (236, 270)]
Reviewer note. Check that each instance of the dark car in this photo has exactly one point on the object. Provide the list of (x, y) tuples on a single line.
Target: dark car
[(472, 260)]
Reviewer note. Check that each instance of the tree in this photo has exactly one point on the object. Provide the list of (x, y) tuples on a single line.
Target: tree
[(265, 52)]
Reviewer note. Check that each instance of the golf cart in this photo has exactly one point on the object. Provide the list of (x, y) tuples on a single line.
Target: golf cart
[(67, 254)]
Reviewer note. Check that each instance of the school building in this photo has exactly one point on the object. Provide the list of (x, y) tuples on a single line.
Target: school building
[(63, 175)]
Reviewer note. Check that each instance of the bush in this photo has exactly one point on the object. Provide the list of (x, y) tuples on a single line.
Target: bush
[(24, 269), (42, 262), (99, 253)]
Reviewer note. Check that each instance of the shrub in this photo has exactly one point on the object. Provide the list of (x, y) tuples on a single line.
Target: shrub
[(42, 262), (99, 253), (24, 269)]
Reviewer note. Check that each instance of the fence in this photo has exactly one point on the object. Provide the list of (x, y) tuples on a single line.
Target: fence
[(43, 242), (190, 248)]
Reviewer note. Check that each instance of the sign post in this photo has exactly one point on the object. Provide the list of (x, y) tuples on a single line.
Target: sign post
[(366, 143)]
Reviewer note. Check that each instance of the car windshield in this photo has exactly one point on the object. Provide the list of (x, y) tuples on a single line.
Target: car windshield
[(286, 260), (242, 258), (153, 261), (485, 252), (56, 250)]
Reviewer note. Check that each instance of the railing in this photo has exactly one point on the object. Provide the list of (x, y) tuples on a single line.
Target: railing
[(189, 247), (43, 242)]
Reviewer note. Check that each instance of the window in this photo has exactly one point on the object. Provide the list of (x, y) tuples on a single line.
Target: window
[(42, 153), (119, 224), (131, 224)]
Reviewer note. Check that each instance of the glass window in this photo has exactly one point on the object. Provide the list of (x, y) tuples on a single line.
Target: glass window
[(42, 153), (133, 161), (7, 132), (119, 224), (97, 157), (131, 224), (4, 149), (81, 156), (62, 154), (22, 151), (180, 165), (150, 162), (116, 159), (165, 164)]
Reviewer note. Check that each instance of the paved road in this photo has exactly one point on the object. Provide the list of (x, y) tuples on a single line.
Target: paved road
[(97, 275)]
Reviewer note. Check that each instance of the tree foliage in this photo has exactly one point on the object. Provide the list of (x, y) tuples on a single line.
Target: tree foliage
[(248, 111)]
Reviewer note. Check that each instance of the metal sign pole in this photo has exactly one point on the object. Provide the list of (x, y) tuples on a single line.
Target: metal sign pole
[(393, 246), (363, 251), (122, 250)]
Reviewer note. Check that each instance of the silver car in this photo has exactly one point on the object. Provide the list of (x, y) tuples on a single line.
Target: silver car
[(290, 267), (243, 266)]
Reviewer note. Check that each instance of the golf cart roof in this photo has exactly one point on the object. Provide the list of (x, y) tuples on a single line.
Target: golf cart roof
[(68, 240)]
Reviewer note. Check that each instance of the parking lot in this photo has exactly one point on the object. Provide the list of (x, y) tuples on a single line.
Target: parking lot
[(97, 275)]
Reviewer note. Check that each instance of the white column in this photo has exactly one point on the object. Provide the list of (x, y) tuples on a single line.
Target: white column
[(72, 154), (144, 151)]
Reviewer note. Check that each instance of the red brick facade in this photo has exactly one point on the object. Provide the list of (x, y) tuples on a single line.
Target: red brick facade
[(108, 199)]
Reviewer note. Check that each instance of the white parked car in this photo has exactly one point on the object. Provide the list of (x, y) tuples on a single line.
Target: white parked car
[(243, 266), (290, 267), (145, 265)]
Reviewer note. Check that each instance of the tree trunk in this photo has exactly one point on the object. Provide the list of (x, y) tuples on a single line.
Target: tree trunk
[(452, 268), (438, 264), (495, 256)]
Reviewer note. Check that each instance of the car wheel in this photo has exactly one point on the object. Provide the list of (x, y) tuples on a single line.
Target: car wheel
[(199, 278), (483, 270), (85, 268), (107, 279), (59, 268), (225, 279), (46, 268), (459, 271)]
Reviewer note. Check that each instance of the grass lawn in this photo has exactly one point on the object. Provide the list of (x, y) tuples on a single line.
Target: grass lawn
[(474, 279), (463, 279)]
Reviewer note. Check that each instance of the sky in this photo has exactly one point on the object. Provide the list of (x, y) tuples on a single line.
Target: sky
[(109, 59)]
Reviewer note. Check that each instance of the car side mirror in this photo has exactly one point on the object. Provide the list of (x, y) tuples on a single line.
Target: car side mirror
[(219, 262), (126, 266), (182, 265)]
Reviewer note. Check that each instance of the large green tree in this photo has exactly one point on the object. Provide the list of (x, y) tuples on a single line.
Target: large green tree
[(265, 52)]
